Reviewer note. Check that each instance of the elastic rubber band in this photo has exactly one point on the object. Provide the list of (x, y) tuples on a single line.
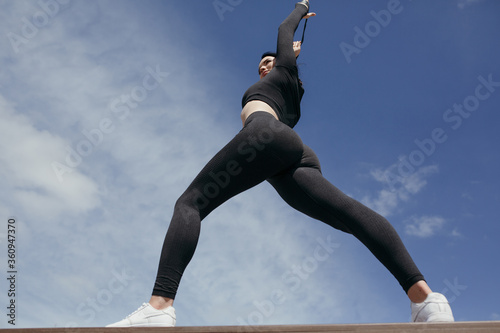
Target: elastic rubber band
[(303, 33)]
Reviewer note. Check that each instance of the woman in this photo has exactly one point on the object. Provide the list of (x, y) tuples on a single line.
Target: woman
[(267, 148)]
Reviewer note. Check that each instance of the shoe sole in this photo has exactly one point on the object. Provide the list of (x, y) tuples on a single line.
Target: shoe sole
[(442, 317)]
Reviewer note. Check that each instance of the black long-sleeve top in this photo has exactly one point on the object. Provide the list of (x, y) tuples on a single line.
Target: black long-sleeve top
[(281, 88)]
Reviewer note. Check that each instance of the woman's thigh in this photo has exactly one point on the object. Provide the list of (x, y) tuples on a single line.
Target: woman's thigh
[(304, 188), (263, 148)]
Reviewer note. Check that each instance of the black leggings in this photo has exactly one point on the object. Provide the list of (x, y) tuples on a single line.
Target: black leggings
[(266, 149)]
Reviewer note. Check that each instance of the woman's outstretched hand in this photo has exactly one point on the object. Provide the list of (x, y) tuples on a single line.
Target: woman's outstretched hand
[(309, 15), (296, 48)]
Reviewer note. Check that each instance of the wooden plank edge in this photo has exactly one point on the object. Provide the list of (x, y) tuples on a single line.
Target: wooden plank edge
[(465, 327)]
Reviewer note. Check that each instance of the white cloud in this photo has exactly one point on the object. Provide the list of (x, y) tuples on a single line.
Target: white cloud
[(398, 188), (385, 203), (456, 233), (425, 226), (25, 166), (466, 3)]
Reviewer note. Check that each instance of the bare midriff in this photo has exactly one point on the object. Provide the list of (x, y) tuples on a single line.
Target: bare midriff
[(254, 106)]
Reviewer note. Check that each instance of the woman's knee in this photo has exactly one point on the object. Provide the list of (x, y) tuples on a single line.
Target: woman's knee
[(189, 204)]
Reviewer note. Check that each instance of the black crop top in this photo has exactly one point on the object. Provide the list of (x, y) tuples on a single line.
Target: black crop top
[(281, 88)]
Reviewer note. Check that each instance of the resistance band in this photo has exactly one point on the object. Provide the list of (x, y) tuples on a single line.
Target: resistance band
[(303, 32)]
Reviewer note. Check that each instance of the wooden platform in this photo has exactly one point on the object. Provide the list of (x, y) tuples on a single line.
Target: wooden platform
[(461, 327)]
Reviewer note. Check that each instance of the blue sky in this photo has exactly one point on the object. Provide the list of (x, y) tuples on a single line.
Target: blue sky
[(108, 109)]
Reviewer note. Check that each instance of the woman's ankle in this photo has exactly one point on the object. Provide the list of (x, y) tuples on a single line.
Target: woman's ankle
[(419, 292), (160, 302)]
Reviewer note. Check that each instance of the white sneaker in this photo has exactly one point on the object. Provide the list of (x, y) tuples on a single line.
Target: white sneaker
[(147, 316), (434, 308)]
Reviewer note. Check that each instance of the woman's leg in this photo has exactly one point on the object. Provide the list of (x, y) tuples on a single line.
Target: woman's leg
[(261, 149), (304, 188)]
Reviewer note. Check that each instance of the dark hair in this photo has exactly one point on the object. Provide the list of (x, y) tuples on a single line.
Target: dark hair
[(268, 54)]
